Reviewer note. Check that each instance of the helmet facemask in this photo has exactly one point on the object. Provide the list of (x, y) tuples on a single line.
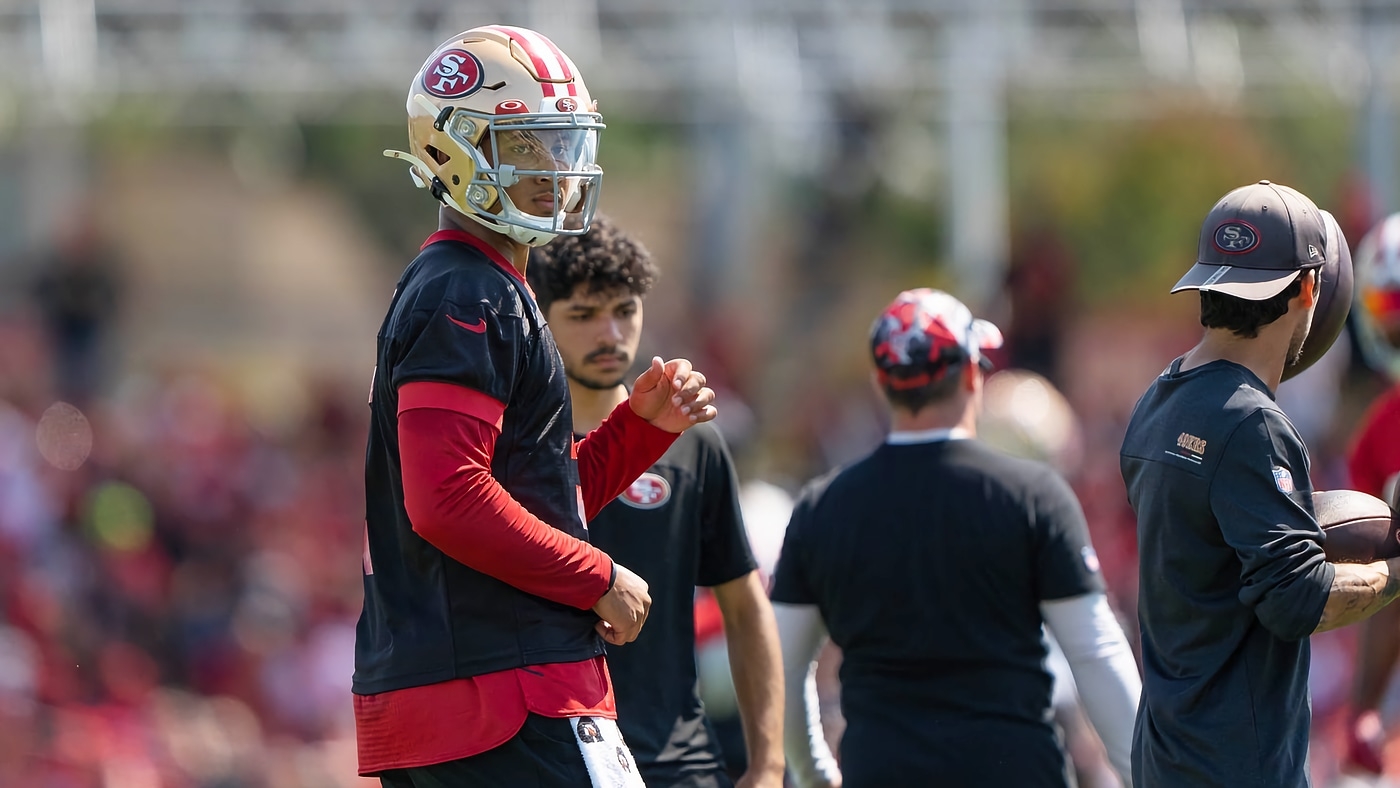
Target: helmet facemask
[(556, 151)]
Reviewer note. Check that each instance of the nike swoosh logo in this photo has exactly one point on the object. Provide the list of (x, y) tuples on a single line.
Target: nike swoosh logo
[(479, 327)]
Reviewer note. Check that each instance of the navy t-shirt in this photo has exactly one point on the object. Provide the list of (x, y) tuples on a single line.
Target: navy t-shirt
[(928, 563), (459, 317), (678, 526), (1232, 580)]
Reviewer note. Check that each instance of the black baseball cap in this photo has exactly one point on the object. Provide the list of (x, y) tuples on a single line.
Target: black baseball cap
[(1255, 242)]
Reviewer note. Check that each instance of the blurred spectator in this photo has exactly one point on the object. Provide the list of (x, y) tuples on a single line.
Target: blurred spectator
[(78, 290), (1039, 286), (178, 610)]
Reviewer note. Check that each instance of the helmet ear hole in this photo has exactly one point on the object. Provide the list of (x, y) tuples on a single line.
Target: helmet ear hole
[(438, 156)]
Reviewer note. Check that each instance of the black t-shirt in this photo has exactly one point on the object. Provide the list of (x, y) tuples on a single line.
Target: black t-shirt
[(677, 526), (928, 563), (1232, 580), (459, 317)]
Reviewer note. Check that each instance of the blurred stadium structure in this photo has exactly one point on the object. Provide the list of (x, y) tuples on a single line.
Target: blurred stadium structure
[(784, 69)]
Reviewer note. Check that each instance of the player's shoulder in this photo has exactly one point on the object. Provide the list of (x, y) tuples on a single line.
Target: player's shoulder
[(1253, 418), (1207, 403), (461, 274), (838, 482), (1022, 478), (1008, 465)]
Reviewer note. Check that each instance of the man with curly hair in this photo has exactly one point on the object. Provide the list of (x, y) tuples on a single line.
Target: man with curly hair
[(678, 526)]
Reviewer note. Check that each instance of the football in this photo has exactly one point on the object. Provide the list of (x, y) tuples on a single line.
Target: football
[(1358, 528)]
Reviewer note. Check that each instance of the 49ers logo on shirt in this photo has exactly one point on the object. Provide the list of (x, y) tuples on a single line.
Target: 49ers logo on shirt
[(647, 492)]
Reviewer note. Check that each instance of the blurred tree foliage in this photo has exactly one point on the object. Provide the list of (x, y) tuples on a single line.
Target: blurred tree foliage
[(348, 159), (1128, 196)]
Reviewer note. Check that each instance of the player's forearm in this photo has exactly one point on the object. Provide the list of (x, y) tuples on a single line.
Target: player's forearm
[(1358, 591), (457, 506), (755, 660), (612, 456)]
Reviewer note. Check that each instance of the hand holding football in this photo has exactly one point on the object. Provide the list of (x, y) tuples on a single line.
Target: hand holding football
[(1358, 528)]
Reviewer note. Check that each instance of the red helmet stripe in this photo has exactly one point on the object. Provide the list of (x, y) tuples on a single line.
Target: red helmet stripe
[(559, 57), (550, 63)]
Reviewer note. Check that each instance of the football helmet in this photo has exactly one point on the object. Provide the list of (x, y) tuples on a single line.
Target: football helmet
[(1336, 287), (498, 106), (1377, 299)]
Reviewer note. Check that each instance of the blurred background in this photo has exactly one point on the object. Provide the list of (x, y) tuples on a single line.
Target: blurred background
[(198, 238)]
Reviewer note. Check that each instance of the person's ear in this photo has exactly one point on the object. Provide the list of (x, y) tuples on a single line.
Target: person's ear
[(1309, 292)]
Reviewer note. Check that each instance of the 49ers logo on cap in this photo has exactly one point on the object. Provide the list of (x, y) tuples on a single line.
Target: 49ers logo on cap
[(1236, 237), (453, 74), (647, 492)]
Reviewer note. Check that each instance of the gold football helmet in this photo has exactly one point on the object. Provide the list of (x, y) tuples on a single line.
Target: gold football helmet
[(497, 107)]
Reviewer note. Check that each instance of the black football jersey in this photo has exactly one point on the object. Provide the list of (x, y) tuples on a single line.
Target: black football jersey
[(462, 317)]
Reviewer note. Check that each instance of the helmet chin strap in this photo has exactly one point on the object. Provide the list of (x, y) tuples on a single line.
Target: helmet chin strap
[(528, 236), (520, 233)]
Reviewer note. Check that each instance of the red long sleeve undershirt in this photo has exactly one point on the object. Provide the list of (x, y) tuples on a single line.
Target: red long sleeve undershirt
[(447, 435)]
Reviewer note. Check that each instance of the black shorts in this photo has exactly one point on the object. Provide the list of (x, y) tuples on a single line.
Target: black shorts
[(543, 754)]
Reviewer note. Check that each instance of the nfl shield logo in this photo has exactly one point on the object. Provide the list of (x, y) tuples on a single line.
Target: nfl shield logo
[(1283, 479)]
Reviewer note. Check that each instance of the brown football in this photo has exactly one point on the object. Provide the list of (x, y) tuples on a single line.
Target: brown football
[(1358, 528)]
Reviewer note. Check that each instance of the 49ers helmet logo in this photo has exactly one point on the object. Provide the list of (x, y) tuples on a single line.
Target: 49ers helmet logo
[(648, 492), (453, 74)]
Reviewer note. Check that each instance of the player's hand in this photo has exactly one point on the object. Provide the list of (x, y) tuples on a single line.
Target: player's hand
[(672, 396), (624, 608)]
